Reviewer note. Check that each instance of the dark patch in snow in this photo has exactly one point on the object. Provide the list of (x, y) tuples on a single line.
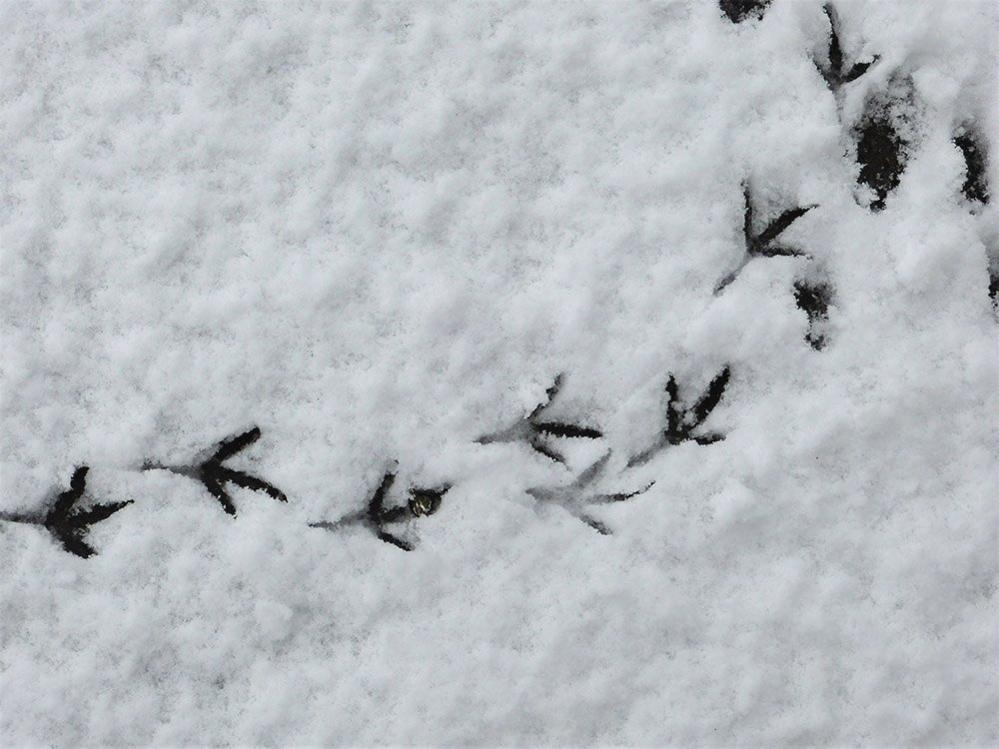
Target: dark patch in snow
[(681, 423), (214, 476), (814, 299), (834, 71), (994, 287), (376, 516), (975, 158), (880, 153), (765, 243), (739, 10), (533, 431)]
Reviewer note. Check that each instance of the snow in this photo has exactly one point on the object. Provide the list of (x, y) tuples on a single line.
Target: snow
[(378, 231)]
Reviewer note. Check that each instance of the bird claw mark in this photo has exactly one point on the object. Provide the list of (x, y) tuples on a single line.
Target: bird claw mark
[(681, 423), (572, 496), (394, 540), (69, 525), (533, 431), (835, 73), (595, 524), (541, 448), (570, 431), (709, 439), (214, 476), (252, 483), (422, 502), (763, 244), (739, 10), (65, 522), (606, 499), (814, 299)]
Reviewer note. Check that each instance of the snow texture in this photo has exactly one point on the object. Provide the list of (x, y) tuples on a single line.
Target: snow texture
[(377, 231)]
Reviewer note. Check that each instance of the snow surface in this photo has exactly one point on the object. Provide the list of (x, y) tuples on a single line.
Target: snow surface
[(378, 231)]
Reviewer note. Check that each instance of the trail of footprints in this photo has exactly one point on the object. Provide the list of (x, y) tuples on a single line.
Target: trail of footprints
[(68, 521), (881, 152)]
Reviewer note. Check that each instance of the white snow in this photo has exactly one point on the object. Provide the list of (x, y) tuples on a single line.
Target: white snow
[(378, 230)]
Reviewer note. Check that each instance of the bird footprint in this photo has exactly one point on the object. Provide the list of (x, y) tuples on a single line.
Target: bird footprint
[(532, 430), (681, 423), (214, 476)]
